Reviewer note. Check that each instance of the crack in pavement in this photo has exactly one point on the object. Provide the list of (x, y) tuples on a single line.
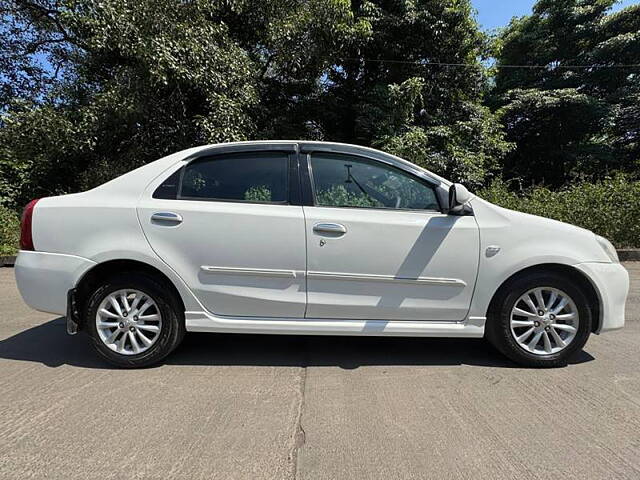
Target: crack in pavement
[(299, 435)]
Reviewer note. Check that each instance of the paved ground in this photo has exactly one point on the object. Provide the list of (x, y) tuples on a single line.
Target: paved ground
[(251, 407)]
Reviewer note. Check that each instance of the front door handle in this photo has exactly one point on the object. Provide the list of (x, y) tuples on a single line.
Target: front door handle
[(331, 228), (166, 218)]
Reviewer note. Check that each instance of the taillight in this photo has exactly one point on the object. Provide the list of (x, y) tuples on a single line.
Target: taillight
[(26, 232)]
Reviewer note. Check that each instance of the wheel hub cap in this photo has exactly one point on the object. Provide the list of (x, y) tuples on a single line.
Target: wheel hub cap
[(128, 321), (544, 321)]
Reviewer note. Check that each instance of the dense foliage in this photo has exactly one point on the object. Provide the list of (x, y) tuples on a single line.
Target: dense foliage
[(576, 117), (92, 88), (129, 82)]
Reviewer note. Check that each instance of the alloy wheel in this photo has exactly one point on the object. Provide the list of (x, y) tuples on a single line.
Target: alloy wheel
[(128, 321), (544, 321)]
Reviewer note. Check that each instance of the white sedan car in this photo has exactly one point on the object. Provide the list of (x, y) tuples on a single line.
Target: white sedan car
[(288, 237)]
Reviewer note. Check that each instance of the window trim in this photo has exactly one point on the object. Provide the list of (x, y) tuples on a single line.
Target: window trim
[(203, 158), (312, 187)]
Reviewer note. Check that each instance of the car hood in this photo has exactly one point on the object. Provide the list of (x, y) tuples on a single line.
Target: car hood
[(536, 235)]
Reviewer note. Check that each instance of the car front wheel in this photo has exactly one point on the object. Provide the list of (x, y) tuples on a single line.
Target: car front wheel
[(540, 320), (133, 320)]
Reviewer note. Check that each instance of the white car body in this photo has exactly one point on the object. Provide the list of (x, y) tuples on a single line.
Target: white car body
[(261, 268)]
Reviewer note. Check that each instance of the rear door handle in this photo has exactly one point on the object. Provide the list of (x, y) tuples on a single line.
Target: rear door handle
[(334, 228), (166, 218)]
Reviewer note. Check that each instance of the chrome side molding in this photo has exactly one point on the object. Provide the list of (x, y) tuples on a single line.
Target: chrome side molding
[(265, 272)]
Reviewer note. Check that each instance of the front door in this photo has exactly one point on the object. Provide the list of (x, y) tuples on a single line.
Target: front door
[(232, 235), (379, 247)]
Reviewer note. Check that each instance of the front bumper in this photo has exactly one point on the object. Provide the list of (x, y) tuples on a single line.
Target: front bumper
[(611, 281), (44, 279)]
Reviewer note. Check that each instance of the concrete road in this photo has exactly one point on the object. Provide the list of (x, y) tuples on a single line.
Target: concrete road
[(269, 407)]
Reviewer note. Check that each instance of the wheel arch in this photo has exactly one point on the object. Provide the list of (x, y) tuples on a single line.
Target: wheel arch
[(91, 278), (568, 271)]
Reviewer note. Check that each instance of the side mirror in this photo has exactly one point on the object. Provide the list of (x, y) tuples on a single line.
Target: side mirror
[(459, 196)]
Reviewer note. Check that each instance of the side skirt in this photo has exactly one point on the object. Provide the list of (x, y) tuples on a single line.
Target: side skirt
[(473, 327)]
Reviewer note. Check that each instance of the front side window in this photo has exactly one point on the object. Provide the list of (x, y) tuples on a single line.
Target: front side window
[(346, 181), (255, 177)]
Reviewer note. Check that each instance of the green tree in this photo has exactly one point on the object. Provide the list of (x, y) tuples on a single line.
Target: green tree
[(140, 79), (556, 35), (557, 133), (136, 80), (388, 88), (619, 44), (568, 121), (90, 89)]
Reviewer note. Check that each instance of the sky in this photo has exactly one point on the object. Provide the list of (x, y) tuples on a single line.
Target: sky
[(497, 13)]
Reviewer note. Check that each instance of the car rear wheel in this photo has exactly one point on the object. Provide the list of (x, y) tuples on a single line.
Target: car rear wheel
[(133, 320), (539, 320)]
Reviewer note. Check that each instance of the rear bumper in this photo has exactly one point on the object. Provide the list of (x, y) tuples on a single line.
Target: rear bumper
[(611, 281), (44, 279)]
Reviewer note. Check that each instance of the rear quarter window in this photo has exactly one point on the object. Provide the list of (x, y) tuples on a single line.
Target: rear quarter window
[(168, 190)]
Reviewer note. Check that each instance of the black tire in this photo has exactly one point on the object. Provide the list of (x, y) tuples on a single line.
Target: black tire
[(498, 330), (172, 330)]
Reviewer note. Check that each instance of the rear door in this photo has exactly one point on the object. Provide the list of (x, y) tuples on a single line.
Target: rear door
[(227, 224), (379, 247)]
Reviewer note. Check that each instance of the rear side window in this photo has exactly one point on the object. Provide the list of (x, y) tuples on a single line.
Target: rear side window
[(254, 177)]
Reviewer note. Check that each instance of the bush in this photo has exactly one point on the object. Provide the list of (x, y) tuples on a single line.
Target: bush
[(9, 231), (610, 208)]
